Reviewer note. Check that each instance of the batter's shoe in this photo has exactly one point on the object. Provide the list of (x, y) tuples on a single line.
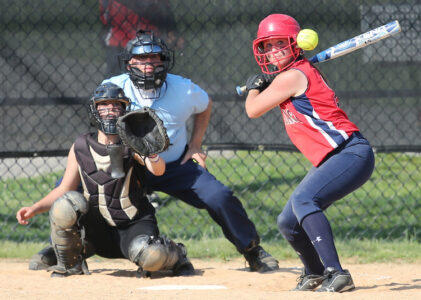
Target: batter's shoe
[(336, 281), (260, 261), (308, 282), (183, 267), (43, 259)]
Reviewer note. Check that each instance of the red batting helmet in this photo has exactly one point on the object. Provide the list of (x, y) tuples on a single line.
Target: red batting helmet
[(273, 27)]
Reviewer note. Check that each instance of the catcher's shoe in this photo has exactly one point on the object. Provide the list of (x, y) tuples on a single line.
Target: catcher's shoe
[(308, 282), (79, 269), (336, 281), (140, 273), (183, 267), (260, 261), (43, 259)]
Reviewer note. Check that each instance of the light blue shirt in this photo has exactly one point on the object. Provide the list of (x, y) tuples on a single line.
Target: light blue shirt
[(179, 99)]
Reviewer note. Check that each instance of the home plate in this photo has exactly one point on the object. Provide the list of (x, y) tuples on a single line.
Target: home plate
[(182, 287)]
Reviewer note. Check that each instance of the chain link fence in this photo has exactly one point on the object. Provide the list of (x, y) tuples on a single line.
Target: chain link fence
[(54, 53)]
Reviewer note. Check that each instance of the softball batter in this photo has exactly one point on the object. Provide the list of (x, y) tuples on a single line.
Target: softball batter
[(342, 158)]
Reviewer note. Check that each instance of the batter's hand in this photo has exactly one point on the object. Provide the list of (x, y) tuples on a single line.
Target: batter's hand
[(259, 82), (197, 154), (24, 214)]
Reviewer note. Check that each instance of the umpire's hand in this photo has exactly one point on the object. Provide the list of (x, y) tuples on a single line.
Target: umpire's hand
[(195, 153)]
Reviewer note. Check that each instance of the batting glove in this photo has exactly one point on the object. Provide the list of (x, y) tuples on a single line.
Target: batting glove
[(258, 82)]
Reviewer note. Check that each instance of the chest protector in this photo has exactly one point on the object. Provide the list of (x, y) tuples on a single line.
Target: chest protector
[(120, 201)]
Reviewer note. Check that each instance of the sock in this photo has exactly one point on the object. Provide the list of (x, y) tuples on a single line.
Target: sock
[(320, 234), (308, 256)]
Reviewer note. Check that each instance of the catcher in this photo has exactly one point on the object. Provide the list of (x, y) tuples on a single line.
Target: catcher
[(176, 99), (113, 218)]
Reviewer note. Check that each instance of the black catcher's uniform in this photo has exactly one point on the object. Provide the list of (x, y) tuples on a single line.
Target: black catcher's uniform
[(118, 208)]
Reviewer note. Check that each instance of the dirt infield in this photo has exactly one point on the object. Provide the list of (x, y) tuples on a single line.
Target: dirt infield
[(214, 280)]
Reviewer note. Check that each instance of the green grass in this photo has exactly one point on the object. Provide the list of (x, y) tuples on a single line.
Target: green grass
[(386, 207), (16, 193), (351, 251)]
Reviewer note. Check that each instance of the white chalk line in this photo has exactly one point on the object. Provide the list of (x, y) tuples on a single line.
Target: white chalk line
[(182, 287)]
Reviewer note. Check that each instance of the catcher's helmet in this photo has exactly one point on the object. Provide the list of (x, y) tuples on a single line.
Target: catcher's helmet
[(146, 43), (106, 92), (273, 27)]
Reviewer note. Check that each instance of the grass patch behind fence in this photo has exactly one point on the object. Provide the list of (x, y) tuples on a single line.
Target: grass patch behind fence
[(386, 207), (350, 251)]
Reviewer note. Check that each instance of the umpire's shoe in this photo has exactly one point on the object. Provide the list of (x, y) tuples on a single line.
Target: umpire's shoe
[(260, 261), (336, 281), (308, 282), (43, 259)]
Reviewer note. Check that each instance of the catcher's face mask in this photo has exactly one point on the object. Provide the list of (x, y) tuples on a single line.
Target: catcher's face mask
[(145, 44), (106, 106)]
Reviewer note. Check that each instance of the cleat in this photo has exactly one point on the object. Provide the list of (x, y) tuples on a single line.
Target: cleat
[(183, 267), (260, 261), (60, 271), (43, 259), (140, 273), (336, 281), (308, 282)]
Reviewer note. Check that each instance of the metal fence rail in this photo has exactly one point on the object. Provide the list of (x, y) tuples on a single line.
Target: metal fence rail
[(54, 53)]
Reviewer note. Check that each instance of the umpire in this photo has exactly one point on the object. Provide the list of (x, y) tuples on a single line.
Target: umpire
[(148, 84)]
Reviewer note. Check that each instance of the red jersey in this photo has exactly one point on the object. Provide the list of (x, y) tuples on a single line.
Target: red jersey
[(124, 18), (314, 122)]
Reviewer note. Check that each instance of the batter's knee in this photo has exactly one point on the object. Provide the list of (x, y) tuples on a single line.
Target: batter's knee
[(287, 225), (67, 209)]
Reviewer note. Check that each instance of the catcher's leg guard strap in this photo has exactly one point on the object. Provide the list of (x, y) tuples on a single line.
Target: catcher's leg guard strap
[(66, 233), (153, 254)]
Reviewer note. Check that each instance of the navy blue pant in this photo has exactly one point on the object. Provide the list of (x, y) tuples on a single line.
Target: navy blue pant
[(344, 170), (196, 186)]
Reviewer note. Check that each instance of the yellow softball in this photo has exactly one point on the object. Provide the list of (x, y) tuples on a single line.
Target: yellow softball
[(307, 39)]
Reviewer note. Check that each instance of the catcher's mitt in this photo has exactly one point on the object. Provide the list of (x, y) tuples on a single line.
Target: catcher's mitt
[(143, 131)]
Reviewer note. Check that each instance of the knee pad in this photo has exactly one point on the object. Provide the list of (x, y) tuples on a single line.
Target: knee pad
[(67, 209), (66, 235), (153, 254)]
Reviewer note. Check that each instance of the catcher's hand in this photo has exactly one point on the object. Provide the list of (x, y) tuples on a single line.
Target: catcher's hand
[(143, 131), (259, 82)]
